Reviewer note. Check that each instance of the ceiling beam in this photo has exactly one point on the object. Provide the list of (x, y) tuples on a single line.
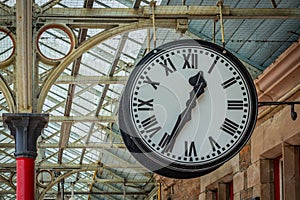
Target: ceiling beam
[(136, 4), (97, 180), (66, 79), (166, 12), (108, 193), (71, 146), (66, 127), (73, 166), (76, 119), (83, 192)]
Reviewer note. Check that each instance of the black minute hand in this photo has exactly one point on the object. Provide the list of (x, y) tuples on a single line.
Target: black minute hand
[(199, 84)]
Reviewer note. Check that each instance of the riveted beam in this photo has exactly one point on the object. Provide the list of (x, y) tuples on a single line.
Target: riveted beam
[(65, 79), (97, 180), (127, 15), (80, 146), (111, 17), (83, 192), (166, 12), (75, 119), (73, 166)]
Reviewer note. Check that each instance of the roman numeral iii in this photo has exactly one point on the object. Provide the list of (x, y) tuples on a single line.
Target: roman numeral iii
[(229, 126), (235, 105)]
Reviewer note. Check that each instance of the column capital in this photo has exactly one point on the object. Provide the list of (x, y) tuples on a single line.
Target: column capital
[(26, 128)]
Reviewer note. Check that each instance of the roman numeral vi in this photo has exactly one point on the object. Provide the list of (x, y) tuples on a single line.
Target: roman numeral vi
[(190, 149)]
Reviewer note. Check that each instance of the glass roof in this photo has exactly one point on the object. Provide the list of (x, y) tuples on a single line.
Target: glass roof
[(91, 153)]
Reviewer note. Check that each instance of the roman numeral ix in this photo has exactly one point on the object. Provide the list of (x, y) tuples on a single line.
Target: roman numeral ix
[(144, 105)]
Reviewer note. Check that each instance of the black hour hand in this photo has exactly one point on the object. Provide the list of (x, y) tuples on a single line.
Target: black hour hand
[(199, 83)]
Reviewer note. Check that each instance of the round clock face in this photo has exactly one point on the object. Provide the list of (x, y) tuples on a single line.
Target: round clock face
[(188, 107)]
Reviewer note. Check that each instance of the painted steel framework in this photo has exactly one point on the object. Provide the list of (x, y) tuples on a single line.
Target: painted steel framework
[(31, 88)]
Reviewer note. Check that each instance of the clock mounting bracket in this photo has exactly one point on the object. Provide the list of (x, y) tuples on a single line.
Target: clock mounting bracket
[(290, 103)]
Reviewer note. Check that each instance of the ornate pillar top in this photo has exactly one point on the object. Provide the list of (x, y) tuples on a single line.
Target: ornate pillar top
[(26, 128)]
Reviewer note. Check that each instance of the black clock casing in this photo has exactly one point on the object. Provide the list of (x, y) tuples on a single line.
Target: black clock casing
[(187, 108)]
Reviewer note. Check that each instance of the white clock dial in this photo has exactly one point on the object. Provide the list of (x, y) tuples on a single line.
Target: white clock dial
[(188, 105)]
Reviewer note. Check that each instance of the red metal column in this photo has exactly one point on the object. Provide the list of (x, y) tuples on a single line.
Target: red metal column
[(26, 128), (25, 178)]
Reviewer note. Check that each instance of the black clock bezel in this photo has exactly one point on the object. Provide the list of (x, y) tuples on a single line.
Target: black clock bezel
[(155, 162)]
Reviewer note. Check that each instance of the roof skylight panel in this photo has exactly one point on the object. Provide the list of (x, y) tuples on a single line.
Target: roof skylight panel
[(9, 2), (81, 127), (114, 3), (97, 138), (94, 65), (72, 3)]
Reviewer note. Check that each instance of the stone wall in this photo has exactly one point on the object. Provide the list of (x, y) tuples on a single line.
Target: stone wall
[(183, 189)]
